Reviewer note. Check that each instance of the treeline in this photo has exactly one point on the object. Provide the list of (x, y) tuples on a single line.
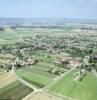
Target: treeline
[(79, 52), (1, 29), (38, 26), (88, 28)]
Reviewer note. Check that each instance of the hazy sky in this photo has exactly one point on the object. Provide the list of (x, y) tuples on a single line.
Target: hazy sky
[(49, 8)]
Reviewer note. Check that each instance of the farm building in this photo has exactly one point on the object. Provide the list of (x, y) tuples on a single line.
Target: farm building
[(68, 60)]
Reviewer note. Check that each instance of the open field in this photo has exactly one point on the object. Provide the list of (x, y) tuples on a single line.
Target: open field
[(14, 91), (83, 90), (39, 74), (42, 69), (10, 88), (10, 36), (6, 78), (33, 78)]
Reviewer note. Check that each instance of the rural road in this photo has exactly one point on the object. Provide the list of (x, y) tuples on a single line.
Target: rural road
[(22, 80)]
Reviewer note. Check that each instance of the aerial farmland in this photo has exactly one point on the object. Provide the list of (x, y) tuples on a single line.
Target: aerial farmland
[(48, 62)]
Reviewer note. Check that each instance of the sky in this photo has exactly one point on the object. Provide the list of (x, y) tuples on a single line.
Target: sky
[(83, 9)]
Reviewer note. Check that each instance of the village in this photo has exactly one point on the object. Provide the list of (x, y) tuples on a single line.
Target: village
[(48, 49), (24, 54)]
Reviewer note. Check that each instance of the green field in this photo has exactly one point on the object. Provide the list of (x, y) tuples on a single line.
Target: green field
[(42, 68), (10, 36), (39, 74), (40, 71), (83, 90), (14, 91), (36, 79)]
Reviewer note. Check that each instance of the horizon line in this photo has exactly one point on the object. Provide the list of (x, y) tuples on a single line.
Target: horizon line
[(48, 18)]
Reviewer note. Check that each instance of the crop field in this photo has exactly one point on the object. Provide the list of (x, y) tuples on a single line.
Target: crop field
[(10, 36), (67, 87), (48, 66), (42, 68), (6, 78), (40, 71), (39, 74), (14, 91), (34, 78)]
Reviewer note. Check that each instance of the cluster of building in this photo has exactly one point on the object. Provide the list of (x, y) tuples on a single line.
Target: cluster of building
[(71, 61)]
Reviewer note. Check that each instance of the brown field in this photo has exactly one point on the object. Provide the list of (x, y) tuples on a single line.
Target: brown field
[(41, 96), (6, 79)]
